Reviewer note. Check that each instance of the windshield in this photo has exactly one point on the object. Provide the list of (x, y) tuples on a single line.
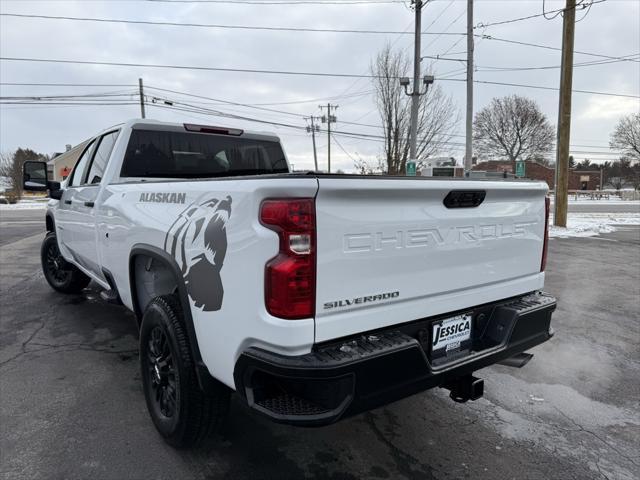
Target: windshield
[(162, 154)]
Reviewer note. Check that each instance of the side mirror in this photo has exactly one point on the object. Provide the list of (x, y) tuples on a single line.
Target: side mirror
[(34, 179)]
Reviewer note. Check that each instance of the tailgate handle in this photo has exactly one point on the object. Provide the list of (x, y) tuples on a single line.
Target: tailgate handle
[(464, 198)]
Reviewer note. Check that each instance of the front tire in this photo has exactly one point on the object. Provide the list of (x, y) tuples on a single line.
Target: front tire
[(60, 274), (181, 412)]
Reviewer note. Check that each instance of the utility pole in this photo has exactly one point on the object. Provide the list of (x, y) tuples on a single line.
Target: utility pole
[(415, 96), (141, 88), (564, 116), (313, 129), (601, 175), (329, 119), (468, 156)]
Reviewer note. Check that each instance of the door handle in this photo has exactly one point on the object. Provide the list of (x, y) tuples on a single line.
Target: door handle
[(68, 202), (89, 204)]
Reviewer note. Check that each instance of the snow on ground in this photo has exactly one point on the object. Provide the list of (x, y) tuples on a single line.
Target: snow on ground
[(604, 201), (591, 224)]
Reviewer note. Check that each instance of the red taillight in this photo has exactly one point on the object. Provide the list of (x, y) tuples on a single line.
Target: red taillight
[(547, 206), (290, 277)]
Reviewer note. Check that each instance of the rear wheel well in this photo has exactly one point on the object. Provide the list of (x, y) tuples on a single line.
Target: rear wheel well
[(150, 278), (153, 273)]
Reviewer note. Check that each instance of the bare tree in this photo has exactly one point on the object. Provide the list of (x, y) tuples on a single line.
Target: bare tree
[(626, 136), (11, 168), (512, 127), (365, 167), (437, 117)]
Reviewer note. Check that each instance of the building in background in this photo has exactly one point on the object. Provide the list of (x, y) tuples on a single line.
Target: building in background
[(578, 179), (442, 167), (60, 166)]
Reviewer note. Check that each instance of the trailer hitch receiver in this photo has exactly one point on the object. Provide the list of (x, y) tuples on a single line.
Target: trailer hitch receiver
[(465, 388)]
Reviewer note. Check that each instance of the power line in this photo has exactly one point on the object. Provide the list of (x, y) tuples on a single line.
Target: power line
[(227, 102), (445, 32), (222, 26), (291, 102), (294, 29), (543, 14), (588, 7), (343, 149), (67, 84), (187, 67), (282, 72), (68, 103), (185, 107), (259, 2), (543, 67), (70, 97), (541, 87), (282, 2), (439, 15), (549, 47)]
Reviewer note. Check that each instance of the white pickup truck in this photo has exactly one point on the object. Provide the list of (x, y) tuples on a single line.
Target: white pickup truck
[(313, 296)]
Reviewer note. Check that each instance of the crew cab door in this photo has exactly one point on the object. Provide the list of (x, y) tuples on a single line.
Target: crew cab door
[(82, 224), (65, 213)]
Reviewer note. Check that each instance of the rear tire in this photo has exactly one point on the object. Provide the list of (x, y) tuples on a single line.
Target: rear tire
[(181, 412), (60, 274)]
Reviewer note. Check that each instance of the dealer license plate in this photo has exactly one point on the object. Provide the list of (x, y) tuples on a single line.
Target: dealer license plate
[(451, 334)]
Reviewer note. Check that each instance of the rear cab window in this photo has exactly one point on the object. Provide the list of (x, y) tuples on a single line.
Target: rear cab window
[(174, 154)]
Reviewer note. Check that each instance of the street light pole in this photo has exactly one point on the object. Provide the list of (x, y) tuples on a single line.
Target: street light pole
[(415, 94)]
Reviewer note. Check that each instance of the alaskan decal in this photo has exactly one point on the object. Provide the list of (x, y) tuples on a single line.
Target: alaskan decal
[(155, 197), (360, 300), (198, 242)]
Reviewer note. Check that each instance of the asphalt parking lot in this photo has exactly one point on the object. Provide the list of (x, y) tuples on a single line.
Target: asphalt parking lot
[(71, 402)]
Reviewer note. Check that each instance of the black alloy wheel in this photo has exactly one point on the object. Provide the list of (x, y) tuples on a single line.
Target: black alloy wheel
[(60, 274), (182, 412), (163, 377), (59, 271)]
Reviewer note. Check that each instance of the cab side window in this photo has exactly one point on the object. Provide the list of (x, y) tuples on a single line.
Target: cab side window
[(77, 175), (101, 157)]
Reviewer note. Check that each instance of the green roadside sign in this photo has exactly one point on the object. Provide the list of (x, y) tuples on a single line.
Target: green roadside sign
[(411, 169), (520, 171)]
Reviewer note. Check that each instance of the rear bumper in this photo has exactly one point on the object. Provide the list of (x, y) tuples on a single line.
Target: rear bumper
[(359, 373)]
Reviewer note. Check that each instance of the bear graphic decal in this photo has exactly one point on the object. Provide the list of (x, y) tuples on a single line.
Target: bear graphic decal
[(198, 242)]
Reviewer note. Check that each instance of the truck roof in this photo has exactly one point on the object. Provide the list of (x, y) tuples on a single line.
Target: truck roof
[(145, 123)]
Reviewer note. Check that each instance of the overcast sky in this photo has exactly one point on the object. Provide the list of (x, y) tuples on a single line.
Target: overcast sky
[(610, 28)]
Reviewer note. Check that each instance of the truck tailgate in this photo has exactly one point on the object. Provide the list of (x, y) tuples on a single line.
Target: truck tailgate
[(389, 251)]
